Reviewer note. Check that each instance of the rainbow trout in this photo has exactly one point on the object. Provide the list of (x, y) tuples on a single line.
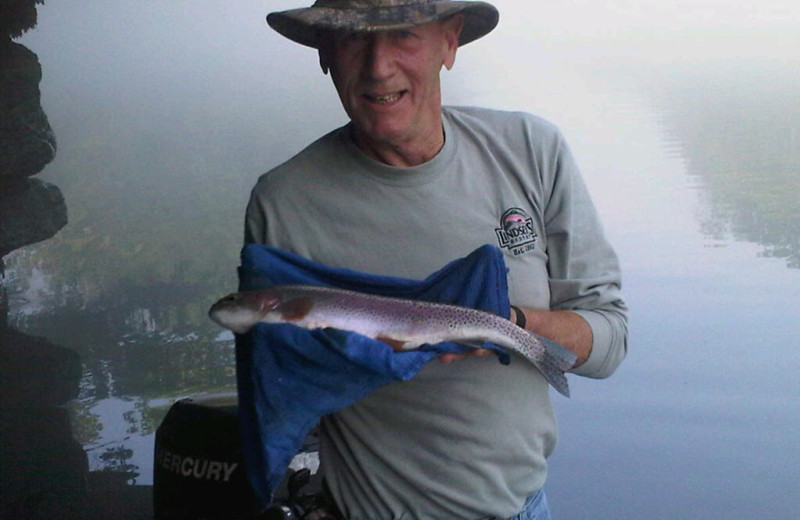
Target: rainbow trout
[(400, 323)]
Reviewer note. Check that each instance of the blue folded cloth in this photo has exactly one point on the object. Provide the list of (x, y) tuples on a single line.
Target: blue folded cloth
[(289, 377)]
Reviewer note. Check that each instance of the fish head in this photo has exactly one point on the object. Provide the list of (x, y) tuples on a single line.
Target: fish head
[(240, 311)]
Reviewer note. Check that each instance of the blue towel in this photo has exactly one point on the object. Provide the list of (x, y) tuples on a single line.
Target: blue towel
[(289, 377)]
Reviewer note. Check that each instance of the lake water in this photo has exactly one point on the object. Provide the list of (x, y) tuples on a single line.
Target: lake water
[(685, 119)]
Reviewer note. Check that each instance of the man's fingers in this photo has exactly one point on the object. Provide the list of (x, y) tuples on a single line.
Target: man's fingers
[(478, 352)]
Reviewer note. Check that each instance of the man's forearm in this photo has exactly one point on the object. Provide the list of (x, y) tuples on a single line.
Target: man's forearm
[(564, 327)]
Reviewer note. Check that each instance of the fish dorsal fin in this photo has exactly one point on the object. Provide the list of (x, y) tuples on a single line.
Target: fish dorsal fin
[(296, 309), (396, 344)]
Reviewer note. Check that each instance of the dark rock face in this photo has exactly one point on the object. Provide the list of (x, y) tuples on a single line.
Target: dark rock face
[(17, 17), (49, 467), (43, 468), (30, 211), (27, 142)]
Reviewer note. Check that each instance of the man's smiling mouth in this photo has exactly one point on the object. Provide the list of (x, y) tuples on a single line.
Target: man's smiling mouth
[(385, 99)]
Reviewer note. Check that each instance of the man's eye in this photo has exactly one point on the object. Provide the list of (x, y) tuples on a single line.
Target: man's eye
[(355, 36), (347, 38)]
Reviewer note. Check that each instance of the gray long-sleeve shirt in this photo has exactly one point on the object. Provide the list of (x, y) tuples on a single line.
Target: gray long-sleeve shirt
[(469, 439)]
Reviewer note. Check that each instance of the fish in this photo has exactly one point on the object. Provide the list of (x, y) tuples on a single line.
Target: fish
[(402, 324)]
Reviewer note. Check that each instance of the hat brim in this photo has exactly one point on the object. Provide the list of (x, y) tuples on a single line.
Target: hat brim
[(308, 26)]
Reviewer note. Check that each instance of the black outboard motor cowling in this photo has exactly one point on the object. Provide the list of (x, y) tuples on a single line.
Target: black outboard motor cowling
[(198, 470), (199, 473)]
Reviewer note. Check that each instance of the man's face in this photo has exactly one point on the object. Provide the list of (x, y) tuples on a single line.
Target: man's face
[(388, 81)]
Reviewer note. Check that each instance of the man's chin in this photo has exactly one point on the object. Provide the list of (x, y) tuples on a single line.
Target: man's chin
[(382, 133)]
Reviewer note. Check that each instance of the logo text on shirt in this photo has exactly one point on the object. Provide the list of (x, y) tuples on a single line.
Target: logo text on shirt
[(516, 231)]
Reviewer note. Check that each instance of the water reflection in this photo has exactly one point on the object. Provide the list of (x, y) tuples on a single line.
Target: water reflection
[(736, 126)]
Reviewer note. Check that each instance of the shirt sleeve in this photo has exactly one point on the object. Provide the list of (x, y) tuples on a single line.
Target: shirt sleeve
[(255, 225), (584, 270)]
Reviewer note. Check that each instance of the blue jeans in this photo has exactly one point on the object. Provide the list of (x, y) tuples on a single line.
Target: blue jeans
[(535, 508)]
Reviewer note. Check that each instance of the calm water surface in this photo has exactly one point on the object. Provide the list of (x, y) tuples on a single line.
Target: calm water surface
[(686, 122)]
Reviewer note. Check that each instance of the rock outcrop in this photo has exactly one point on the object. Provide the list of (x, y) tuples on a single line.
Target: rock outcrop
[(27, 143), (30, 210)]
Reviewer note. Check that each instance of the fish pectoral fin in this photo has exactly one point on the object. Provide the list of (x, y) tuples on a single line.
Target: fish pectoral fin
[(396, 344), (297, 309)]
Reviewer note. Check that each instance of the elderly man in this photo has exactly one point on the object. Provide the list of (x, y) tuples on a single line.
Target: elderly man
[(401, 190)]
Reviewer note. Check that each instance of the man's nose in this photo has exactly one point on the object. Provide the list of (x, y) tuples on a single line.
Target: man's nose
[(380, 56)]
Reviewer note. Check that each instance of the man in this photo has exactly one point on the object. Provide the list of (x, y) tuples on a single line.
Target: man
[(406, 187)]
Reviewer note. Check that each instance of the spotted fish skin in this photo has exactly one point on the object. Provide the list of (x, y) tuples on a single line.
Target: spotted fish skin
[(403, 324)]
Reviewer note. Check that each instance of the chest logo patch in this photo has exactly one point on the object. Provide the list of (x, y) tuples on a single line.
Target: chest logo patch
[(516, 232)]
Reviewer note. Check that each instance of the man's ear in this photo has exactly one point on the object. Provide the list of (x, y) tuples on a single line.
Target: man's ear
[(452, 30), (324, 61)]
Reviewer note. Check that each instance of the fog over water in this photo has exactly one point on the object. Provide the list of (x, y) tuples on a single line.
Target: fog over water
[(684, 117)]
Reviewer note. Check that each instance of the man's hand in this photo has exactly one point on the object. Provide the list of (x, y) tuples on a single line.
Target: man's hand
[(566, 328), (478, 352)]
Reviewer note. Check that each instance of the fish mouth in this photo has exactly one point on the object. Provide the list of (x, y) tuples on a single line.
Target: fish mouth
[(228, 301)]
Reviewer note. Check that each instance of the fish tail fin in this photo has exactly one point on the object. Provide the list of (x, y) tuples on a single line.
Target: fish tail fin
[(556, 361)]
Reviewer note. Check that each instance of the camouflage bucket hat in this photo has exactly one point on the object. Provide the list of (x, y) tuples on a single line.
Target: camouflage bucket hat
[(308, 25)]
